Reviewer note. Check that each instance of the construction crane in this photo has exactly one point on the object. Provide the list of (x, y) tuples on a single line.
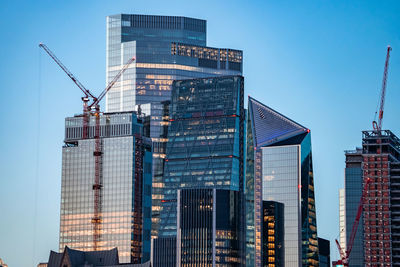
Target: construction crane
[(378, 125), (345, 254), (92, 109)]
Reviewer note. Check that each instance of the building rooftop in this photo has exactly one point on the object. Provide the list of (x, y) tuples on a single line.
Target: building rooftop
[(77, 258)]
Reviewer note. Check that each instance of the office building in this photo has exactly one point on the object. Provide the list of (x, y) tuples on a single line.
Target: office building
[(352, 190), (116, 211), (342, 219), (163, 252), (324, 252), (205, 140), (273, 232), (279, 168), (208, 227), (205, 146), (166, 48)]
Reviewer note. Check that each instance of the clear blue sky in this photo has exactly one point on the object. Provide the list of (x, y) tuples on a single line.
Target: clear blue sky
[(318, 62)]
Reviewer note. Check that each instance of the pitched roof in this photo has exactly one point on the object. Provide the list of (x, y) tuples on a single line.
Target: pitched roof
[(79, 258), (55, 259), (270, 126)]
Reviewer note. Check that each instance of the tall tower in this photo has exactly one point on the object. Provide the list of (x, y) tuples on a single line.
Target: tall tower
[(381, 209), (280, 169), (125, 213), (166, 48), (205, 147), (353, 191)]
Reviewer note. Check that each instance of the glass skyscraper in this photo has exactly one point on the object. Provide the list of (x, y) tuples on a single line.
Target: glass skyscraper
[(205, 140), (280, 169), (205, 148), (208, 227), (166, 48), (352, 195), (125, 187)]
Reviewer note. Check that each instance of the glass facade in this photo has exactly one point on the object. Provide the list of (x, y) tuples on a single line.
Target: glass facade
[(273, 246), (324, 252), (353, 189), (163, 252), (125, 188), (280, 182), (205, 140), (208, 227), (283, 172), (166, 48)]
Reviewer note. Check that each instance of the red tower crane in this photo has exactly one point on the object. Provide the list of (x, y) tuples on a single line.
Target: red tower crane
[(345, 254), (92, 109), (378, 125)]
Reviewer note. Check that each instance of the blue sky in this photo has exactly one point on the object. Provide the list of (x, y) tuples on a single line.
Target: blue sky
[(317, 62)]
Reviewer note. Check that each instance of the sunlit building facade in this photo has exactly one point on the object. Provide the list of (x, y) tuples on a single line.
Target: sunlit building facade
[(125, 194), (280, 169), (166, 48), (342, 218)]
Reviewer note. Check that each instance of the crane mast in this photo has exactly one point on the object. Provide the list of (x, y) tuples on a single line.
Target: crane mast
[(92, 109), (378, 125)]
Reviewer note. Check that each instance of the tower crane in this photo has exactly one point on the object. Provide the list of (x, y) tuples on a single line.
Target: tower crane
[(377, 125), (92, 109), (345, 254)]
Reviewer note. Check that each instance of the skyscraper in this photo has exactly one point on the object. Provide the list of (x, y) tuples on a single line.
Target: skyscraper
[(166, 48), (381, 208), (352, 196), (208, 227), (124, 201), (205, 143), (205, 140), (279, 168)]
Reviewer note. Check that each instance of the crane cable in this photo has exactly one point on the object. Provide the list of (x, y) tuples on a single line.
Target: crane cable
[(36, 185)]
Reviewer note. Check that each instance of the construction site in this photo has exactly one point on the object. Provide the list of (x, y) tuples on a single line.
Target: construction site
[(372, 186)]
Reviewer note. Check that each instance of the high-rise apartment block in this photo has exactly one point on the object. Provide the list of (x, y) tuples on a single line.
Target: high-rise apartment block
[(279, 168), (124, 204), (166, 48)]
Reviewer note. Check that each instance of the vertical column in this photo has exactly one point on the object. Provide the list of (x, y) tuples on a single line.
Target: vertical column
[(257, 206)]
